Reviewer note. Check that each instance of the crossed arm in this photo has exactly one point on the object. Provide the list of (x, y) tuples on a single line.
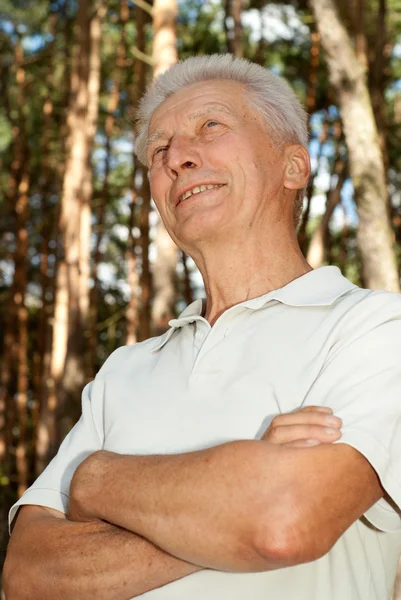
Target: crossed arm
[(138, 522)]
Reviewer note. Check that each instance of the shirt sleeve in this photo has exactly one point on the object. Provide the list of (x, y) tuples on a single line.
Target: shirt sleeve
[(51, 489), (361, 382)]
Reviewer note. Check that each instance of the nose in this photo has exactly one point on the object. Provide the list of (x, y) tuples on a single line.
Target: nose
[(182, 155)]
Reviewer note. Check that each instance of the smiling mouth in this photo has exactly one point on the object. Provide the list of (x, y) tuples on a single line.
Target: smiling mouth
[(198, 190)]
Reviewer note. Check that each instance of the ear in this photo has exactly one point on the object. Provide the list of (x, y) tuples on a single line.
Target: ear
[(297, 170)]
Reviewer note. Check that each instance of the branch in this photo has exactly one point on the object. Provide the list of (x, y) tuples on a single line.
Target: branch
[(142, 56), (145, 6)]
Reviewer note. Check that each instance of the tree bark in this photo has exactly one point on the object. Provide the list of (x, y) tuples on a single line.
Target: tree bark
[(234, 31), (318, 243), (165, 267), (72, 296), (188, 292), (112, 106), (379, 269), (132, 312), (14, 371), (146, 277)]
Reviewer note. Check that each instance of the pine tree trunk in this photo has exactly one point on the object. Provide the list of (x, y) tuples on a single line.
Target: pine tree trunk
[(365, 158), (146, 277), (188, 292), (112, 106), (132, 312), (21, 280), (318, 244), (139, 309), (14, 370), (72, 296), (234, 32), (165, 267)]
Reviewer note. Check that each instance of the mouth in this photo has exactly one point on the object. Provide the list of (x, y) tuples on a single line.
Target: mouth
[(198, 190)]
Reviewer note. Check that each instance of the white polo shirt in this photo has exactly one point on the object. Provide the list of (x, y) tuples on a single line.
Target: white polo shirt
[(319, 340)]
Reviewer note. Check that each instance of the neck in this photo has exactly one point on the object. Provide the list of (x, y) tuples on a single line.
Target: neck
[(244, 271)]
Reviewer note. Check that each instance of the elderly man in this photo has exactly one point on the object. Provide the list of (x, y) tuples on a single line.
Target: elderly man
[(208, 463)]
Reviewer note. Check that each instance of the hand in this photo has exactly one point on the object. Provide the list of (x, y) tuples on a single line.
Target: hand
[(308, 426), (87, 485)]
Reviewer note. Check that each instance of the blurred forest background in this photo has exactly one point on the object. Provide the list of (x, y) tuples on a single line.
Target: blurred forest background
[(85, 265)]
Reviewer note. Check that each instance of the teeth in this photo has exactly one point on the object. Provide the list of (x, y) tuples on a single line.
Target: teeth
[(197, 190)]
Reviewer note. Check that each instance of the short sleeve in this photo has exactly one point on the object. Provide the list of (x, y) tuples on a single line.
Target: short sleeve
[(51, 489), (361, 382)]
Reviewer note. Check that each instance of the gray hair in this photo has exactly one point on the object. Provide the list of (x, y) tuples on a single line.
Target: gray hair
[(269, 95)]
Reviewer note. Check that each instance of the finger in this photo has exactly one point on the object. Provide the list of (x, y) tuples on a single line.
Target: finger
[(292, 433), (303, 444), (306, 418), (325, 409)]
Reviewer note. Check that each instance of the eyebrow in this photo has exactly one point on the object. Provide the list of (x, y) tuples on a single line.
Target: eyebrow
[(209, 108), (159, 133), (155, 136)]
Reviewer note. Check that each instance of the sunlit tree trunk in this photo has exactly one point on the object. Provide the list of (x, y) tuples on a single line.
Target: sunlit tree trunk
[(318, 244), (233, 27), (54, 358), (72, 297), (379, 57), (311, 95), (101, 208), (302, 230), (365, 158), (165, 267)]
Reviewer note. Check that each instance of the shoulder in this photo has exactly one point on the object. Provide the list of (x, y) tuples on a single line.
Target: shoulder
[(123, 357), (362, 311)]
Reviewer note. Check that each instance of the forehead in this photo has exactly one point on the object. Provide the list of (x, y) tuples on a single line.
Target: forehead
[(199, 98)]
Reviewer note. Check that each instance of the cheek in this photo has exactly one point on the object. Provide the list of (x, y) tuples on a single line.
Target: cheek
[(159, 189)]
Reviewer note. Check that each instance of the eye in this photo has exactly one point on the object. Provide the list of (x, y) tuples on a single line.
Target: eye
[(211, 123), (160, 150)]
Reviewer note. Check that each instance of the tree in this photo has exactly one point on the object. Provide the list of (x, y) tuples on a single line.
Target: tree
[(165, 267), (72, 294), (365, 158)]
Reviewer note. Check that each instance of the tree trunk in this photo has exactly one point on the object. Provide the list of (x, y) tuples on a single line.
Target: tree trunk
[(318, 244), (365, 159), (14, 371), (302, 230), (104, 194), (188, 293), (21, 280), (72, 296), (146, 277), (132, 312), (233, 27), (165, 267), (379, 58)]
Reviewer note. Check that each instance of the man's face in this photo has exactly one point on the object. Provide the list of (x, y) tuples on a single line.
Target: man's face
[(206, 139)]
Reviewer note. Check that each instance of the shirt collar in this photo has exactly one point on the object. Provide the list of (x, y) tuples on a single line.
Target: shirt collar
[(320, 287)]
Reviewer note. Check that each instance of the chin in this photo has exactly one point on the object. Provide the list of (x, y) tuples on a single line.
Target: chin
[(197, 230)]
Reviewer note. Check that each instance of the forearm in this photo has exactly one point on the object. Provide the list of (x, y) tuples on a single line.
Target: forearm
[(200, 506), (58, 558)]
